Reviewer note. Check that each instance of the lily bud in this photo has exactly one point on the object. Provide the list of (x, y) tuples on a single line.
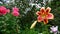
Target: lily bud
[(32, 26)]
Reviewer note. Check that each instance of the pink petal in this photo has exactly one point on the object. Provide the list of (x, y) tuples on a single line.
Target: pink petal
[(15, 13), (3, 10), (2, 7), (39, 19), (8, 10), (15, 9), (50, 16)]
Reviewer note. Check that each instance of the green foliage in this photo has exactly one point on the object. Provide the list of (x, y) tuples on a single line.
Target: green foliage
[(28, 31), (9, 24)]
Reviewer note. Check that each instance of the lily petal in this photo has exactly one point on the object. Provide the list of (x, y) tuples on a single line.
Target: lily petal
[(45, 21), (48, 9), (50, 16), (39, 18), (42, 10), (38, 13)]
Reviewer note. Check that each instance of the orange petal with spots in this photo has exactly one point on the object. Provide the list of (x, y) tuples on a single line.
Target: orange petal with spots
[(38, 13), (42, 10), (45, 21), (48, 9)]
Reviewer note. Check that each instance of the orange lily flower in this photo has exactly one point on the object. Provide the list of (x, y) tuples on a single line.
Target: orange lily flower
[(44, 15)]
